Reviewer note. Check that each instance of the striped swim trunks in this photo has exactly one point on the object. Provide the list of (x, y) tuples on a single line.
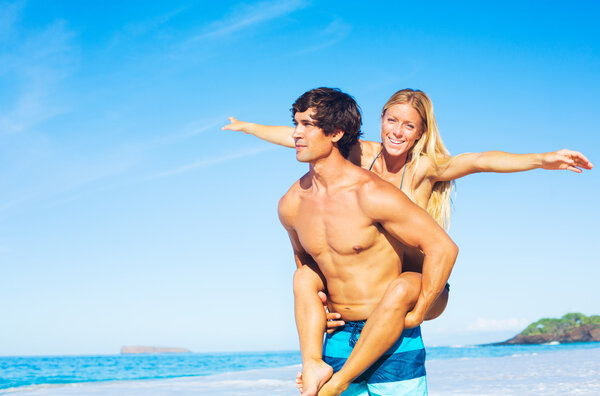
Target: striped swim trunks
[(400, 371)]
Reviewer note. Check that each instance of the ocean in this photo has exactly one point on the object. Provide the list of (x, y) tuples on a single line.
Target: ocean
[(58, 375)]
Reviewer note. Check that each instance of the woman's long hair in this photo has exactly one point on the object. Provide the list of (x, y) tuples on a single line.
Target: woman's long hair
[(429, 144)]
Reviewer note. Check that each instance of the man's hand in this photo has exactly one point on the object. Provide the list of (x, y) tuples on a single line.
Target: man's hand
[(333, 318), (566, 159), (413, 319), (236, 125)]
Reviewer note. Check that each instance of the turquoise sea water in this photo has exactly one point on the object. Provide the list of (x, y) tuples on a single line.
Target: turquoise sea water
[(19, 372)]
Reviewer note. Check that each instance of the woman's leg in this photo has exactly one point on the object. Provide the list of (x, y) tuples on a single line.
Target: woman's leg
[(310, 322)]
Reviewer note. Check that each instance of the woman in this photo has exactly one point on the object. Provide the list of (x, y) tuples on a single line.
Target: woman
[(411, 155)]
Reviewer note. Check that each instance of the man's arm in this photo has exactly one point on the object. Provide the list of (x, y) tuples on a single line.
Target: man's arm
[(308, 308), (498, 161), (281, 135), (413, 226), (286, 210)]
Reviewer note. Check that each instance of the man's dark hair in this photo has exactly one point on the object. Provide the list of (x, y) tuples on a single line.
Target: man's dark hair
[(334, 111)]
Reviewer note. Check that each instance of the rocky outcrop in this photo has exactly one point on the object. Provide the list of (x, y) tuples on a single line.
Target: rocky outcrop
[(572, 327), (583, 333), (150, 349)]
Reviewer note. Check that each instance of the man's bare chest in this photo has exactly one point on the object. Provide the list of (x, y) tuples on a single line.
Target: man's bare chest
[(330, 226)]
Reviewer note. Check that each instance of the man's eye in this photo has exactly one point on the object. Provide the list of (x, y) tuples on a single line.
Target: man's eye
[(391, 120), (410, 126)]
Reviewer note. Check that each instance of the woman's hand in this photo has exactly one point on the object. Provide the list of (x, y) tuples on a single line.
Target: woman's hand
[(333, 318), (236, 125), (281, 135), (565, 159)]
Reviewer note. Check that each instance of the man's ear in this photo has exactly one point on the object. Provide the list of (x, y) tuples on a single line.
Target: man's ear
[(337, 136)]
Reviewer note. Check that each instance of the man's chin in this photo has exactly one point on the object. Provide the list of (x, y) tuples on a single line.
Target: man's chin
[(300, 158)]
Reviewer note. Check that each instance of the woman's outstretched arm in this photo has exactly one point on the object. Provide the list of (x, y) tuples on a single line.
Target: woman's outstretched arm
[(281, 135), (498, 161)]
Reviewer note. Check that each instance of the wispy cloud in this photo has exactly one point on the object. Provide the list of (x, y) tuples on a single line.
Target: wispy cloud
[(192, 129), (246, 16), (335, 32), (483, 324), (10, 12), (34, 63), (75, 178), (210, 161), (7, 205), (144, 27), (61, 182)]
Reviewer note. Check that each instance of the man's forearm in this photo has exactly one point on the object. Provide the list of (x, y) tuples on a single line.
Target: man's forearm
[(437, 267)]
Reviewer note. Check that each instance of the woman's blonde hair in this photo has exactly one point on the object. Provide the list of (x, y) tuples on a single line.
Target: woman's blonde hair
[(429, 144)]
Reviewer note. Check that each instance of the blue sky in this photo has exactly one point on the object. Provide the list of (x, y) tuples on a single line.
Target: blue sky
[(128, 217)]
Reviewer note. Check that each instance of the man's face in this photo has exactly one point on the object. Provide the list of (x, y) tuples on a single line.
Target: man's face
[(311, 142)]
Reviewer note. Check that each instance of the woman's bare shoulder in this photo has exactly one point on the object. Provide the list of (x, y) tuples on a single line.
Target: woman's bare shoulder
[(368, 152), (427, 167)]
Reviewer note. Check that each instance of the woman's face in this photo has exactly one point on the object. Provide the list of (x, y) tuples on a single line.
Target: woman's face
[(401, 127)]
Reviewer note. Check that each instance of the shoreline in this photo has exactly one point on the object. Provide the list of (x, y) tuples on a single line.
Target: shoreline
[(560, 372)]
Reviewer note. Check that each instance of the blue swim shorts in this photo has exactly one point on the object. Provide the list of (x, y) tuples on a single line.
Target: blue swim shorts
[(400, 371)]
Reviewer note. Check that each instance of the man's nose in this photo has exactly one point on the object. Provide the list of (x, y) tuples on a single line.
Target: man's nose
[(297, 132)]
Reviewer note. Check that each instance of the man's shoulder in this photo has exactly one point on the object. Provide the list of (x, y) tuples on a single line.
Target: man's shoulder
[(374, 193), (288, 204), (371, 182)]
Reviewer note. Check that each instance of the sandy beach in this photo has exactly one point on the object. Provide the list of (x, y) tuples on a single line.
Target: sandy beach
[(575, 372), (570, 372)]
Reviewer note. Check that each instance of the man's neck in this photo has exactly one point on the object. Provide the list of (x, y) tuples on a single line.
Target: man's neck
[(326, 172)]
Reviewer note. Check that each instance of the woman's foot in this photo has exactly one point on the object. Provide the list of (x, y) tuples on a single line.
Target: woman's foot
[(314, 376)]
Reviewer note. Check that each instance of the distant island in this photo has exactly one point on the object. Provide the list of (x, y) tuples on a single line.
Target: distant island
[(572, 327), (126, 350)]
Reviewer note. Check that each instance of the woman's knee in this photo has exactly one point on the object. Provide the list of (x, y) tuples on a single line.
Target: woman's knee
[(306, 279), (403, 292)]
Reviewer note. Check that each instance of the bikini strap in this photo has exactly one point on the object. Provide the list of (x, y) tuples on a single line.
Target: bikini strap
[(402, 180), (403, 171), (378, 154)]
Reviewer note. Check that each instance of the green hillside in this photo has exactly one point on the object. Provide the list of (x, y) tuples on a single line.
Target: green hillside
[(557, 326)]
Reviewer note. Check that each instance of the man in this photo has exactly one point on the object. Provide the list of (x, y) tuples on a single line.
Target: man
[(349, 225)]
